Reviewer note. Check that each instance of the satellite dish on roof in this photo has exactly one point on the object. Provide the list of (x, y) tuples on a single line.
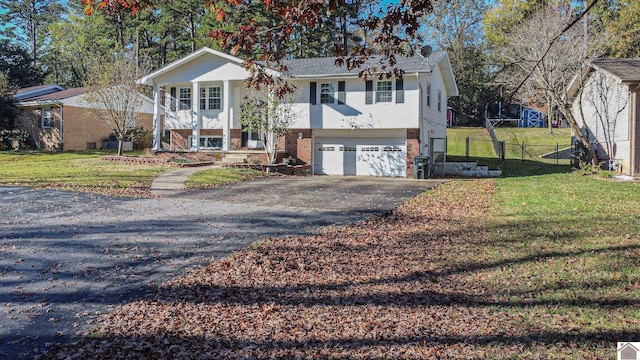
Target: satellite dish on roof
[(426, 51)]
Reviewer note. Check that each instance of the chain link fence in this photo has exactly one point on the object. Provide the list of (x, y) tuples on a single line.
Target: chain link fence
[(553, 153)]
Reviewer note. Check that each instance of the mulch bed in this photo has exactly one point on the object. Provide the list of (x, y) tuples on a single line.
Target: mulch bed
[(396, 286), (169, 161)]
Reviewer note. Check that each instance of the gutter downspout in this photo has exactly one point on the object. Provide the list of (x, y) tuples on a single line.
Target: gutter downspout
[(61, 126), (420, 115), (633, 122)]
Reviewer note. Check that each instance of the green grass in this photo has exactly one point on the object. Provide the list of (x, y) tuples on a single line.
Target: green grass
[(479, 146), (213, 177), (537, 141), (82, 171), (568, 250)]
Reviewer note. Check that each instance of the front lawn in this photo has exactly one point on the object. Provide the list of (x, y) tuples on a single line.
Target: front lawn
[(213, 177), (85, 172), (538, 266)]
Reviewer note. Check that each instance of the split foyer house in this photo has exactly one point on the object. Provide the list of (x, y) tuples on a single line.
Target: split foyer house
[(56, 118), (609, 102), (344, 125)]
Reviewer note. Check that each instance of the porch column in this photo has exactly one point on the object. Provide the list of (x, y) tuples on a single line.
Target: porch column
[(157, 131), (226, 121), (195, 117)]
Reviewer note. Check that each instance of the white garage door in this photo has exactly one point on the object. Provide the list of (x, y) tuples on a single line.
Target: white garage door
[(360, 156)]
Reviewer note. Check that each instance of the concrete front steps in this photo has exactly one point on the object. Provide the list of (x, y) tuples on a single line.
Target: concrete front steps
[(470, 169), (239, 156)]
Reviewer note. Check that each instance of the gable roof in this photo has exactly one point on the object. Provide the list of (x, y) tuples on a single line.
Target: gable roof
[(624, 70), (51, 98), (58, 97), (326, 66), (33, 91), (148, 79)]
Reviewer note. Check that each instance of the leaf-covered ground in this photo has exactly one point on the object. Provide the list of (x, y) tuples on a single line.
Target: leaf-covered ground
[(429, 280)]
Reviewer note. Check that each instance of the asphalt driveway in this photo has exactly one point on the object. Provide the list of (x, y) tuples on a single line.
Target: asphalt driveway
[(66, 258)]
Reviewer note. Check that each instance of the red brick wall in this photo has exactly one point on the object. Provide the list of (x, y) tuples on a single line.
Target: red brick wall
[(413, 149), (303, 147), (80, 128), (236, 139), (180, 137)]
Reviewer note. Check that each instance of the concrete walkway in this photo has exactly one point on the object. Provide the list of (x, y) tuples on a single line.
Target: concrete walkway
[(172, 182)]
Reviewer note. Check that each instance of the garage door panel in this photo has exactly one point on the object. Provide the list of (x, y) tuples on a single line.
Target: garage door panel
[(360, 156), (381, 160)]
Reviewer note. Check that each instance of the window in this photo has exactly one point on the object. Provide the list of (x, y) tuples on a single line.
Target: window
[(428, 94), (203, 98), (439, 100), (207, 142), (47, 118), (383, 91), (210, 98), (327, 93), (172, 99), (215, 98), (185, 99)]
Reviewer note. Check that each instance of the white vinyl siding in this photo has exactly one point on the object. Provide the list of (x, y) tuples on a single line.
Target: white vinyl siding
[(606, 106)]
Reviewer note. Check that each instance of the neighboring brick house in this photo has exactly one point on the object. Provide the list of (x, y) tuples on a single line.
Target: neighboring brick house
[(344, 124), (57, 119)]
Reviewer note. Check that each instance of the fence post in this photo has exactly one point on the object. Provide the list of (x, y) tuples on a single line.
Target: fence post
[(503, 150), (467, 148), (557, 149), (523, 147)]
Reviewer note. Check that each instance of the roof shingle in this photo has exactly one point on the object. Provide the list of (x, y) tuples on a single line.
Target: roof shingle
[(626, 70), (327, 66)]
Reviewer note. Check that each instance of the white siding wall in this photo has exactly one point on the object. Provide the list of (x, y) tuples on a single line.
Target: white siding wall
[(79, 101), (605, 105), (207, 67), (355, 114), (210, 119), (433, 123)]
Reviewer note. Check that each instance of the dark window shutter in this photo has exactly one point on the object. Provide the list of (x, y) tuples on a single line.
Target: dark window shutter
[(313, 98), (399, 91), (172, 101), (341, 93), (368, 86)]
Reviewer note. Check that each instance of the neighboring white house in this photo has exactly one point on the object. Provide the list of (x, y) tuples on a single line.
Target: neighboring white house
[(344, 124), (610, 106)]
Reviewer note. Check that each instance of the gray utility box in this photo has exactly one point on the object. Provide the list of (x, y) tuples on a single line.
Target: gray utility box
[(420, 167)]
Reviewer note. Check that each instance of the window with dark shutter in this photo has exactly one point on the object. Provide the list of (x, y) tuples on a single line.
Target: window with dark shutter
[(399, 91), (368, 86), (312, 93), (341, 93), (172, 99)]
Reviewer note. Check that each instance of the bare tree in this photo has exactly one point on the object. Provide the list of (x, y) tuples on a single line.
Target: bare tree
[(268, 116), (548, 55), (114, 96), (608, 100)]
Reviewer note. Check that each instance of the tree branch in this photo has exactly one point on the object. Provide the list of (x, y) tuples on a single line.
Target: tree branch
[(548, 48)]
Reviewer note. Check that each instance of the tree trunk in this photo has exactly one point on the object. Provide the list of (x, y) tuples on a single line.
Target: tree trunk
[(577, 131), (120, 146)]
